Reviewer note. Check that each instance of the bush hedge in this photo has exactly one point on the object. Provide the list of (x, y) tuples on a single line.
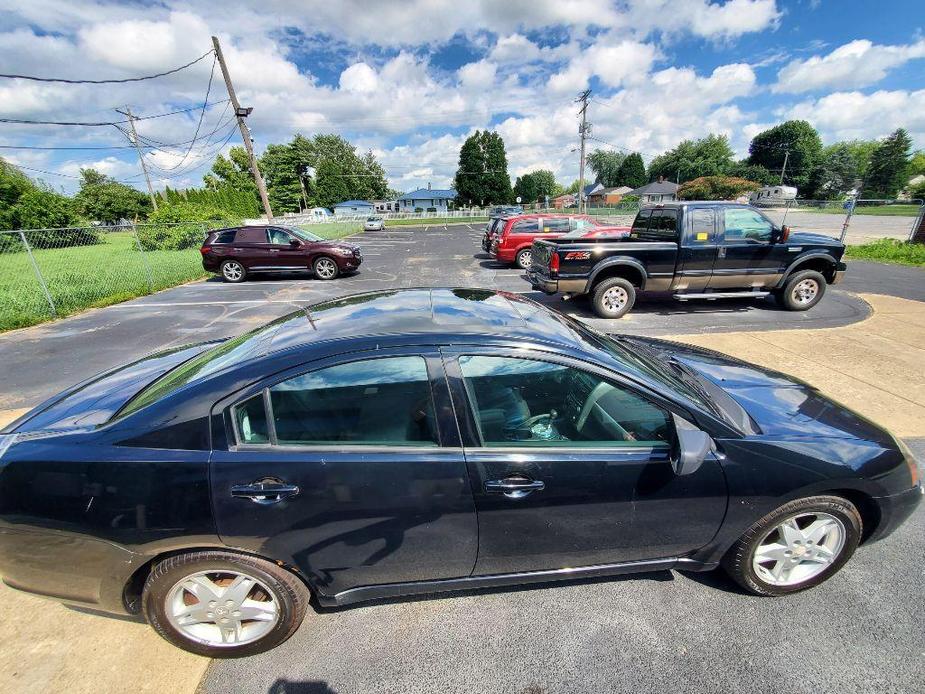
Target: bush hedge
[(181, 225)]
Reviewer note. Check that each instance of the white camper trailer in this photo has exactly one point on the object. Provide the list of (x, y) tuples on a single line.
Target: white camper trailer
[(772, 196)]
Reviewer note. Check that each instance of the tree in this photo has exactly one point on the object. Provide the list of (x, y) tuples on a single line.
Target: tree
[(632, 172), (105, 200), (536, 185), (572, 188), (917, 164), (605, 165), (13, 184), (889, 166), (752, 172), (42, 209), (482, 177), (715, 188), (233, 171), (770, 147), (708, 156), (837, 174)]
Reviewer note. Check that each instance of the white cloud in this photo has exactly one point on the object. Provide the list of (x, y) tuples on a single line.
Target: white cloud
[(850, 115), (856, 64), (478, 75), (359, 77)]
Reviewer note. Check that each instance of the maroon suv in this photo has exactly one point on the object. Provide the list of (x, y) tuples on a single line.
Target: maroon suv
[(237, 252)]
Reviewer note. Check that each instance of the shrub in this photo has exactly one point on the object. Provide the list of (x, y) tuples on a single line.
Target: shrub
[(431, 209), (180, 225), (418, 209), (715, 188)]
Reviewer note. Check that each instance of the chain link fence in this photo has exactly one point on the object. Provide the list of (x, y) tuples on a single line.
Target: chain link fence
[(853, 221), (48, 273)]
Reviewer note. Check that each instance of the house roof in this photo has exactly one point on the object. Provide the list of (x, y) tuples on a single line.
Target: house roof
[(353, 203), (429, 194), (592, 188), (657, 188), (608, 191)]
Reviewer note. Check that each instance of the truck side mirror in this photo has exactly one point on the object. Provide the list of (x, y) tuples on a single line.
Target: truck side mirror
[(784, 234)]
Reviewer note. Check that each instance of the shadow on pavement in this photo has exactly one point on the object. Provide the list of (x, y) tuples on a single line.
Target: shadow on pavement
[(309, 687)]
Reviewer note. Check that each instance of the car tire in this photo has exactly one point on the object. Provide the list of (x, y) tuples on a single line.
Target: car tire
[(233, 271), (275, 595), (524, 259), (772, 560), (613, 298), (325, 268), (802, 290)]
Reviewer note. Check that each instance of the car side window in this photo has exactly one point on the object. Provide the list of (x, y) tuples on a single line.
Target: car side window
[(251, 235), (664, 223), (746, 226), (278, 237), (703, 224), (373, 402), (524, 402), (226, 236), (555, 225), (641, 223), (526, 226)]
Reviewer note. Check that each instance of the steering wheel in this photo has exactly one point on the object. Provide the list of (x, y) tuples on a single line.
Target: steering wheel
[(600, 390)]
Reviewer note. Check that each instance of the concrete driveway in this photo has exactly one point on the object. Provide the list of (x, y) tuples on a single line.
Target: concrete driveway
[(656, 632)]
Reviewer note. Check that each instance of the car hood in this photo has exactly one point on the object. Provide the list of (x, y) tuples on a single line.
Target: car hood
[(812, 239), (781, 406), (97, 399), (320, 245)]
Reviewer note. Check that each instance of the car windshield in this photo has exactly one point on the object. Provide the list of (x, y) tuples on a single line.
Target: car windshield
[(302, 234)]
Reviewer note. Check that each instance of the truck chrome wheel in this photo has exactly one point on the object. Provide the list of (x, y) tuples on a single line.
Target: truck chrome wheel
[(805, 291), (615, 299), (799, 549), (221, 608)]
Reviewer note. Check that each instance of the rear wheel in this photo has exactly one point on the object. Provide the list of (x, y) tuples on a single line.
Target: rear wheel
[(524, 259), (797, 546), (233, 271), (223, 605), (613, 298), (802, 291), (325, 268)]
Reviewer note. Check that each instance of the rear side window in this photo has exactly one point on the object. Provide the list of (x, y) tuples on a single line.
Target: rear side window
[(641, 223), (703, 224), (664, 223), (251, 235), (526, 226), (226, 236), (372, 402), (556, 225)]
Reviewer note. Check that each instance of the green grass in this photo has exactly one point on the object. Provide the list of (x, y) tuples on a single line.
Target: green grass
[(83, 277), (876, 210), (890, 251)]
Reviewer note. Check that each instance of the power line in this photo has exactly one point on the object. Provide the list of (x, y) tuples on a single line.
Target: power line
[(119, 81), (99, 124)]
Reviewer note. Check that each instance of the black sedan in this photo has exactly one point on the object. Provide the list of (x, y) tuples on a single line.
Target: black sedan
[(424, 440)]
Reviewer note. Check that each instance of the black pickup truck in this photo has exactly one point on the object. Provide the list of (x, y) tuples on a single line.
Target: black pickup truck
[(696, 250)]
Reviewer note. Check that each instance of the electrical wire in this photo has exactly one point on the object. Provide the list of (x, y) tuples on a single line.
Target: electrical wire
[(119, 81), (98, 124)]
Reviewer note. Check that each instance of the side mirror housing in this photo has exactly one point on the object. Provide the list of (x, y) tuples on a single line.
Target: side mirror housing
[(783, 234), (295, 243), (691, 447)]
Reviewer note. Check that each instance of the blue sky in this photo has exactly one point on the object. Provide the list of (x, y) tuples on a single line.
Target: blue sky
[(411, 80)]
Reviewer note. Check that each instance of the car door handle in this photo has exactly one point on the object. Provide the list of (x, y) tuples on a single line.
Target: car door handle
[(514, 487), (721, 252), (265, 491)]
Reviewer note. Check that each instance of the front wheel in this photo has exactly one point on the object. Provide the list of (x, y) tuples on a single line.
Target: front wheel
[(223, 605), (325, 268), (802, 291), (797, 546), (613, 298)]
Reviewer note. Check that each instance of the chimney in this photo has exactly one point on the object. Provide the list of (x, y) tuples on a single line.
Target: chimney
[(428, 185)]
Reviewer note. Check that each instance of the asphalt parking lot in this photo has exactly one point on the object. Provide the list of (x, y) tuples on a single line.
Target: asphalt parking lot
[(669, 631)]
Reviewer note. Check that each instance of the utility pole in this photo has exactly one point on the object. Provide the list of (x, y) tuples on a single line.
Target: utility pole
[(134, 138), (786, 157), (241, 114), (582, 131)]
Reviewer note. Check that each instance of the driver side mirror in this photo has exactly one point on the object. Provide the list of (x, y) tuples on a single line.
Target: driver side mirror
[(295, 243), (691, 447), (782, 235)]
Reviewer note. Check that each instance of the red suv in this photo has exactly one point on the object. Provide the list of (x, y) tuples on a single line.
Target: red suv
[(237, 252), (512, 237)]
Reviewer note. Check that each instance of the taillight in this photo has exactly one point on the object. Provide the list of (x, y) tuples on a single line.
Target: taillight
[(205, 250), (554, 262)]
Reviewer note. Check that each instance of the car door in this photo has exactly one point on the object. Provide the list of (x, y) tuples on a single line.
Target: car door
[(571, 468), (252, 249), (350, 469), (284, 255), (746, 255)]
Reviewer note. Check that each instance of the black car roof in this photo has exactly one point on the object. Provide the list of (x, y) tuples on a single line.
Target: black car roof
[(447, 312)]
